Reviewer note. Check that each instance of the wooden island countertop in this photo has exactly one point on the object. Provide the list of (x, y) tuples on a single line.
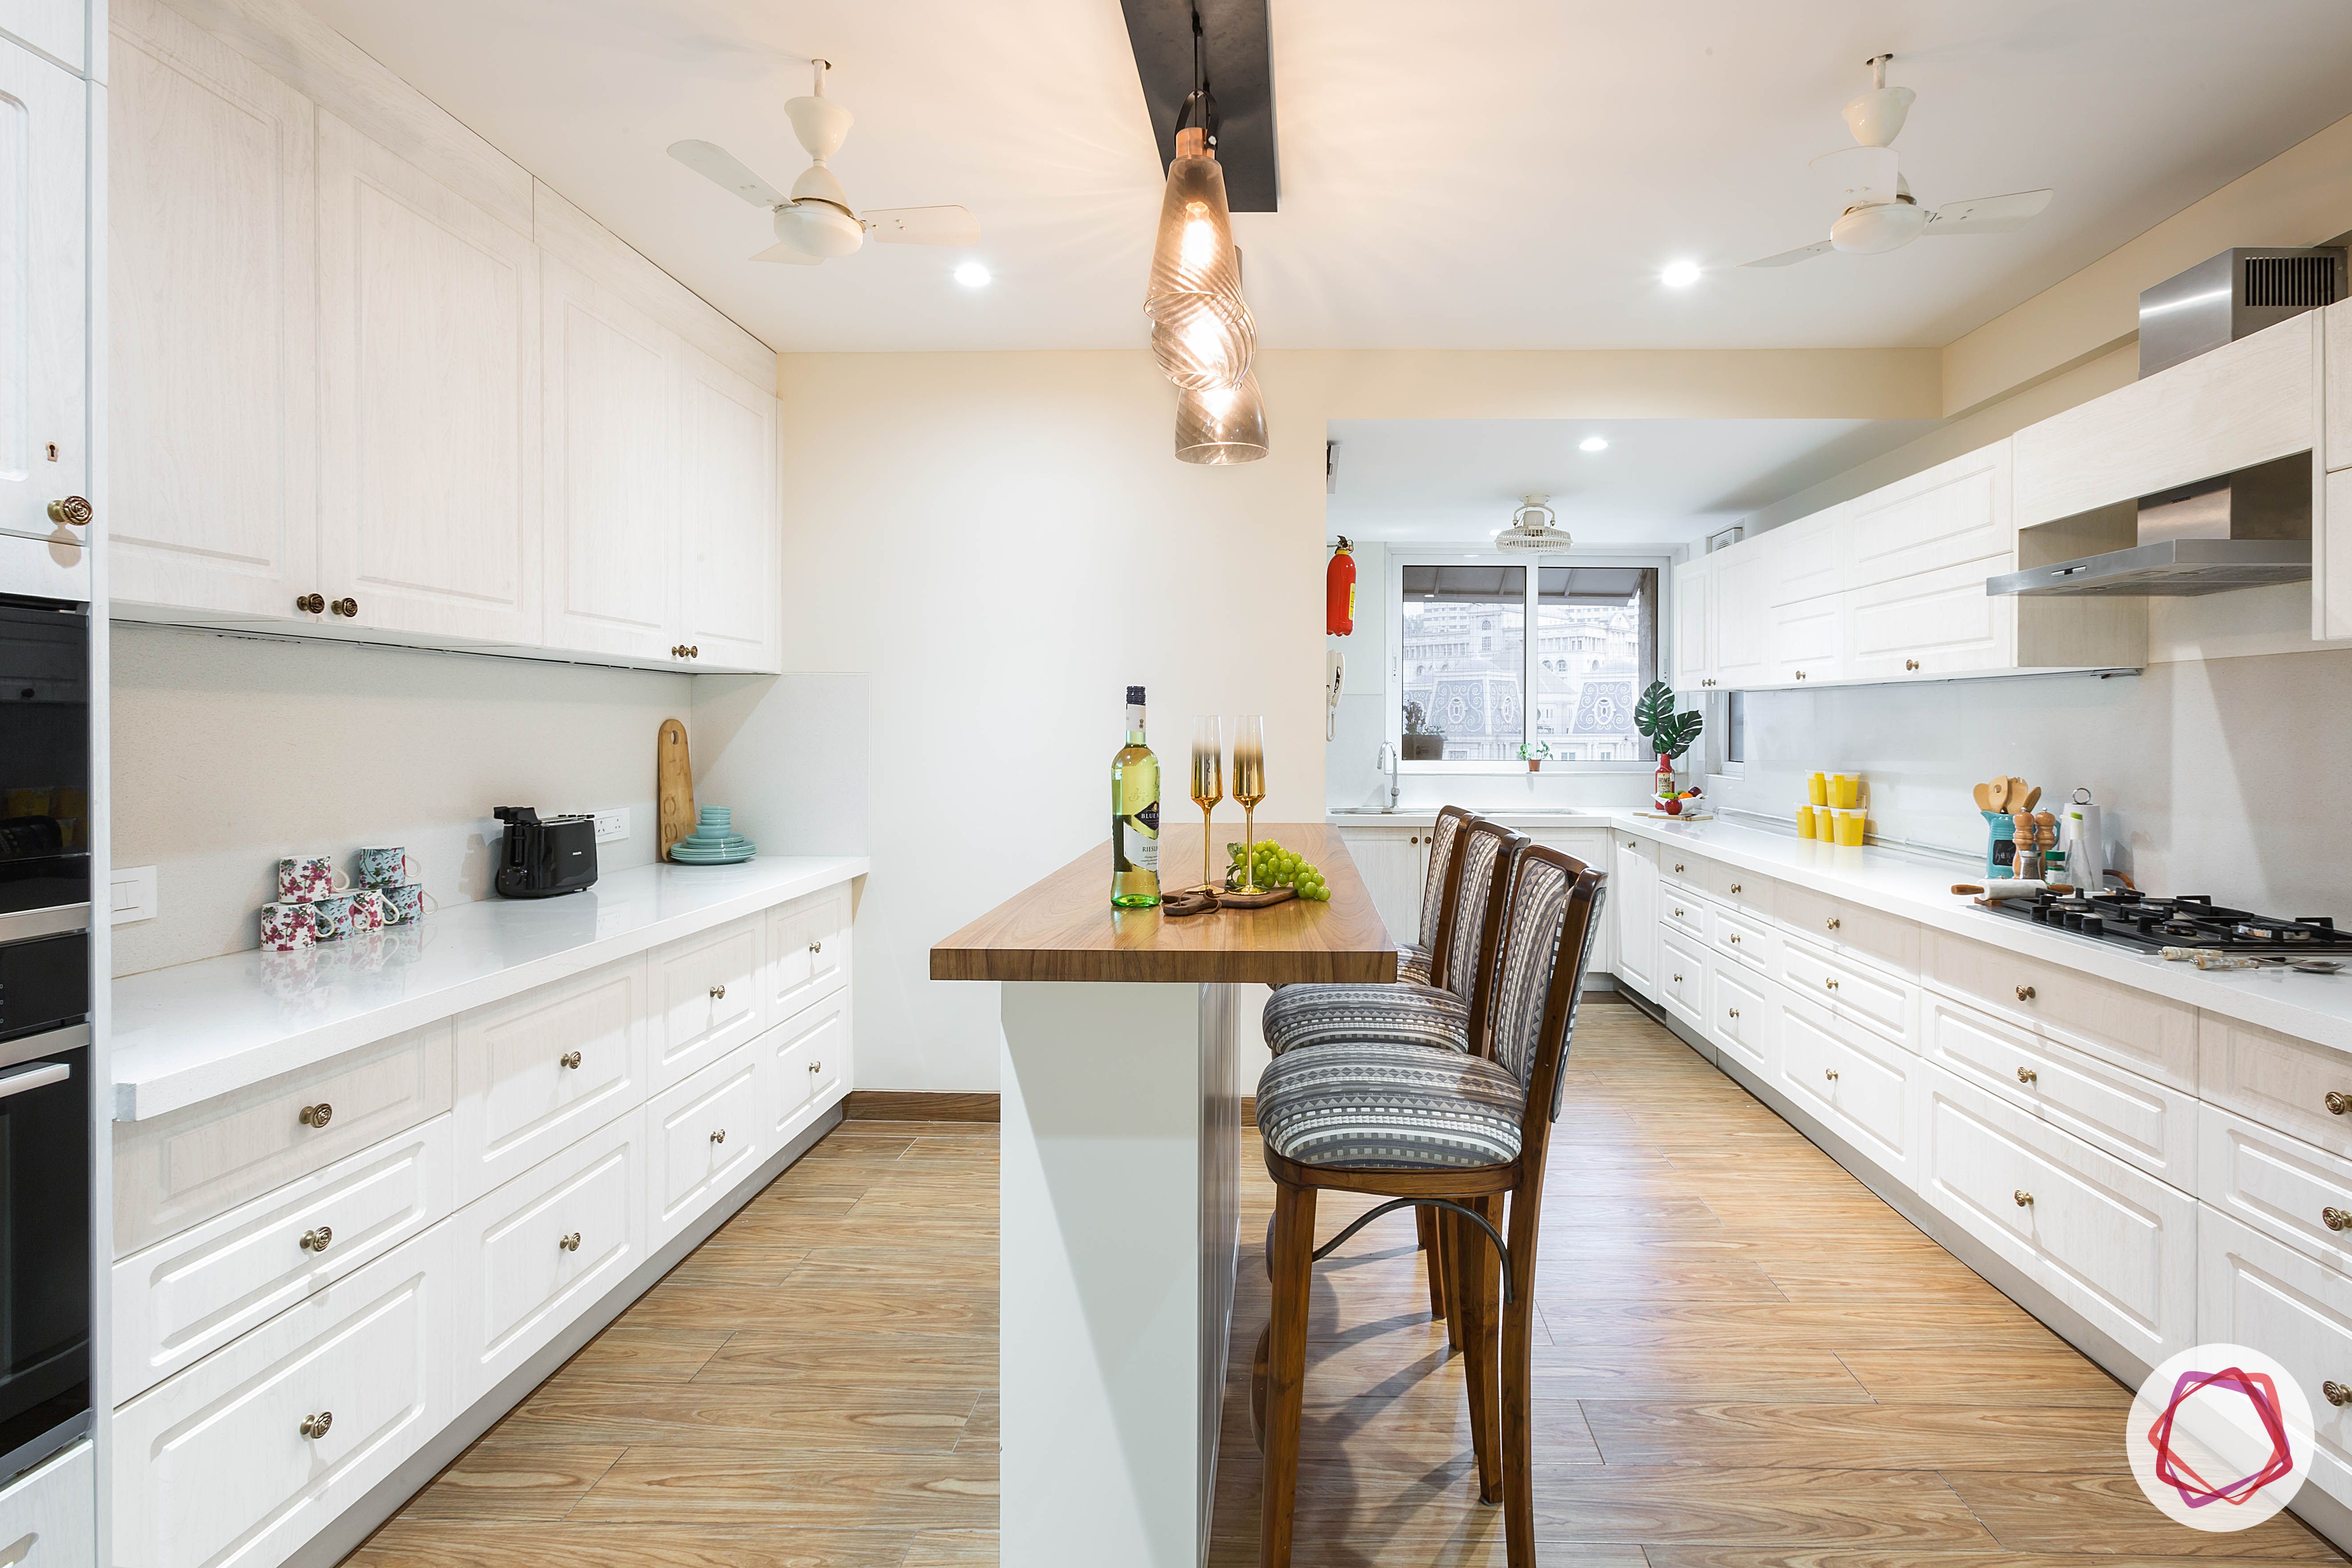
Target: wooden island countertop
[(1064, 928)]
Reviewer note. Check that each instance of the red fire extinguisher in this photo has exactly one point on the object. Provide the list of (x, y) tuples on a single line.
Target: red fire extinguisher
[(1339, 592)]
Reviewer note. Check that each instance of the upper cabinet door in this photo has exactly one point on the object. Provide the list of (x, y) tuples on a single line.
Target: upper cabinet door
[(213, 359), (1954, 513), (730, 588), (44, 156), (1744, 580), (1694, 624), (612, 516), (429, 327), (56, 27)]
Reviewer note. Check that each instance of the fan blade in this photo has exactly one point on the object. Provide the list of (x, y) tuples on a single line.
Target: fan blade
[(1988, 215), (923, 225), (1791, 257), (780, 251), (719, 166), (1860, 176)]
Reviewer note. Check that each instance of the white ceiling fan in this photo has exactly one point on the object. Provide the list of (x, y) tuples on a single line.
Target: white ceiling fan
[(1876, 209), (1532, 527), (816, 223)]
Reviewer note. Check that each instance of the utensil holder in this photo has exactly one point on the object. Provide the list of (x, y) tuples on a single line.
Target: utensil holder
[(2000, 844)]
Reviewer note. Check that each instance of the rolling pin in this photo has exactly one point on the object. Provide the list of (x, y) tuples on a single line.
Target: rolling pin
[(1994, 891)]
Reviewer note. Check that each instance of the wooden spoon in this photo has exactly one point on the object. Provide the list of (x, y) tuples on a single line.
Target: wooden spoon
[(1984, 797), (2030, 797), (2000, 783)]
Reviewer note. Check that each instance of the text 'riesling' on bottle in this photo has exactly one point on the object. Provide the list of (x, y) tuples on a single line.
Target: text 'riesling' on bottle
[(1134, 815)]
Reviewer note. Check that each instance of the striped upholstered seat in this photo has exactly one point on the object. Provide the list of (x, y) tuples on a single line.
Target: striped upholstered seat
[(1372, 1105), (1413, 962), (1412, 1013)]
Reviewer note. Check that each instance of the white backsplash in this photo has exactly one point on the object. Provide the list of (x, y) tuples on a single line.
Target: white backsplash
[(1350, 776)]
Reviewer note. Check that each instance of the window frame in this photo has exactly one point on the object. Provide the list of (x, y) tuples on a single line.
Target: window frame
[(1400, 556)]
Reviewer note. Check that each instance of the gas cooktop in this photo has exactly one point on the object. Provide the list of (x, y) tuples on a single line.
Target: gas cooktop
[(2146, 924)]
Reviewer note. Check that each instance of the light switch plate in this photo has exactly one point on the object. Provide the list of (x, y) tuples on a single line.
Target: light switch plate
[(130, 894), (612, 827)]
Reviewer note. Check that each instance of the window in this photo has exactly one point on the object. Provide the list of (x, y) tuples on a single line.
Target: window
[(1474, 689)]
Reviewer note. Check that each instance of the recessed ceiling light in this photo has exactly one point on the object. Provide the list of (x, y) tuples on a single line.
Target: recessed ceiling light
[(1593, 444), (972, 275), (1679, 274)]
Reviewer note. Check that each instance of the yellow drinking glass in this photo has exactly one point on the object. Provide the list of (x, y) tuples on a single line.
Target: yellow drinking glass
[(1804, 822), (1849, 791), (1850, 825), (1817, 789)]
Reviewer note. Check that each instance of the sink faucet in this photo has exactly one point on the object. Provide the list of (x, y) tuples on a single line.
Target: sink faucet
[(1387, 762)]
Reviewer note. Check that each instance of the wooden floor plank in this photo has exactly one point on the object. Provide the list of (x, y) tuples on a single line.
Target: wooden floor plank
[(412, 1544), (687, 1485), (1855, 1436), (2044, 1510)]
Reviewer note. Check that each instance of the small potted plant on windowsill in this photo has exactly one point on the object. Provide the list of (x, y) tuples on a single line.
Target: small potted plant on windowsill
[(1420, 745), (1670, 733)]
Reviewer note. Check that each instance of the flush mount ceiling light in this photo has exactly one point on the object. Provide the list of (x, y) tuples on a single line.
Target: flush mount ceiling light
[(1593, 444), (974, 275), (1679, 274), (1220, 426), (1202, 333)]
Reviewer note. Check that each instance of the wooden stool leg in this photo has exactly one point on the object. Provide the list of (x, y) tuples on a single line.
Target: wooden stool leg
[(1471, 1284), (1433, 1257), (1293, 1261), (1518, 1470), (1260, 1360)]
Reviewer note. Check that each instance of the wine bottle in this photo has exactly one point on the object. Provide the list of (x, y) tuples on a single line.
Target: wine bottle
[(1134, 815)]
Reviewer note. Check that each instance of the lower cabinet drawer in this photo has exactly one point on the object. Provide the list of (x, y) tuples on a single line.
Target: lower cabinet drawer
[(1682, 974), (1742, 1018), (535, 1253), (2108, 1239), (48, 1519), (2149, 1033), (538, 1071), (178, 1169), (1741, 937), (2279, 1186), (707, 997), (1861, 1086), (1850, 990), (703, 1137), (2253, 1291), (1677, 909), (808, 1065), (180, 1300), (1855, 931), (808, 950), (2152, 1125), (2296, 1087), (249, 1453)]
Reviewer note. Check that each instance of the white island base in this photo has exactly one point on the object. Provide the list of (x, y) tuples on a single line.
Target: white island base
[(1119, 1193)]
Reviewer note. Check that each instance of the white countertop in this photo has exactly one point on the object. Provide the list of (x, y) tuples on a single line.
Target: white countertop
[(196, 1030), (2316, 1007)]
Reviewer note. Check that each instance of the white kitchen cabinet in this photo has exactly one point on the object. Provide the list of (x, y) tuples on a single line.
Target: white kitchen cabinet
[(2292, 1085), (540, 1070), (1808, 556), (1743, 1019), (2242, 403), (706, 998), (1867, 996), (1389, 861), (808, 950), (2280, 1186), (2109, 1240), (1860, 1086), (729, 508), (703, 1137), (1694, 631), (807, 1066), (1807, 641), (48, 1517), (1682, 977), (56, 27), (1743, 580), (211, 295), (2148, 1034), (611, 479), (44, 313), (2253, 1291), (530, 1257), (1633, 902), (250, 1452), (429, 328), (1956, 513), (1936, 623)]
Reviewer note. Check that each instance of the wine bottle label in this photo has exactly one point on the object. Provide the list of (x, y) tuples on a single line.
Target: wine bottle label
[(1140, 837)]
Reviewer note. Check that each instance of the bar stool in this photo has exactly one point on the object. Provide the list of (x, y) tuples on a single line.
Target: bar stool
[(1417, 960), (1457, 1134)]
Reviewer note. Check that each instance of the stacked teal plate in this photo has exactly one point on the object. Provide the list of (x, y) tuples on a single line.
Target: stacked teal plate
[(714, 841)]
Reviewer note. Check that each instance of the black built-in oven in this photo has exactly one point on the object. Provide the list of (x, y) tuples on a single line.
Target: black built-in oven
[(46, 1092)]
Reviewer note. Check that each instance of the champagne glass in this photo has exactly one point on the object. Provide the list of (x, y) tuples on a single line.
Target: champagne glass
[(1208, 780), (1249, 788)]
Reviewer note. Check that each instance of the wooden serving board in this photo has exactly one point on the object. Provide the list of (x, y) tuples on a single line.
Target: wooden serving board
[(674, 784), (1256, 901)]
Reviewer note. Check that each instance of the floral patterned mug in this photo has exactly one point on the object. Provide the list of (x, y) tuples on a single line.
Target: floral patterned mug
[(385, 865), (287, 927), (304, 878), (406, 900)]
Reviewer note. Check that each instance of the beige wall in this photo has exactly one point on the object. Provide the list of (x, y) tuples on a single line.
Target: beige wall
[(230, 752)]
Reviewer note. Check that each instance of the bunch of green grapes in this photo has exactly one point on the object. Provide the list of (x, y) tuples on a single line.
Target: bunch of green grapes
[(1271, 865)]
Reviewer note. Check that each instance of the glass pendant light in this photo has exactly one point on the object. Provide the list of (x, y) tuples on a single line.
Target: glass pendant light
[(1223, 425), (1202, 333)]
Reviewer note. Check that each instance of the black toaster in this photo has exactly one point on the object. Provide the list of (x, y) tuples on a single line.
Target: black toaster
[(540, 859)]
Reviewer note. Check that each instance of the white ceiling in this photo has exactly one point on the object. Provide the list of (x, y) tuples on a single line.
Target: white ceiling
[(1658, 481), (1508, 173)]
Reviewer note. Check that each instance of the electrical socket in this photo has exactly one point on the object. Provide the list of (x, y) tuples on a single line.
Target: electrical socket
[(612, 827)]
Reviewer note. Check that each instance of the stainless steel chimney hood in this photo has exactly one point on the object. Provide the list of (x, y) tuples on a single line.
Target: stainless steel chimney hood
[(2247, 530)]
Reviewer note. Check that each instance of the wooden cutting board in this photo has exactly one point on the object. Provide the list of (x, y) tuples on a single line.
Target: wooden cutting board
[(674, 780)]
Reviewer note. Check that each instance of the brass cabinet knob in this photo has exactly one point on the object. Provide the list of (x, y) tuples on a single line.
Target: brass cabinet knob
[(315, 1427), (1678, 866), (2338, 1102), (2025, 992), (1801, 675), (2026, 1074), (1832, 922), (2024, 1199), (817, 946), (1678, 914), (568, 1243), (2336, 1219), (1629, 843), (1735, 1012), (1734, 941), (1830, 1073), (719, 1136), (1830, 984), (1678, 980), (318, 1115), (319, 1240), (693, 650), (2336, 1392), (311, 603), (816, 1066), (1910, 664), (345, 607), (719, 993), (72, 511), (1734, 887), (568, 1060)]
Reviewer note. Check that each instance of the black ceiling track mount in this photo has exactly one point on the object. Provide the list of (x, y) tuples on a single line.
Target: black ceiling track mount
[(1237, 60)]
